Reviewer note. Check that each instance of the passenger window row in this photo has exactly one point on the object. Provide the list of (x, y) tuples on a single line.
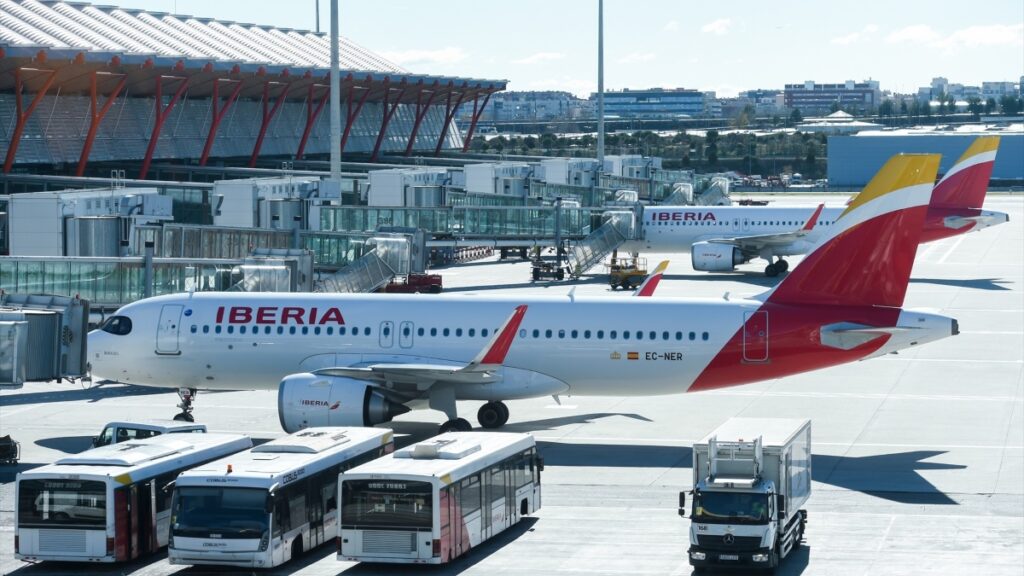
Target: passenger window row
[(537, 333)]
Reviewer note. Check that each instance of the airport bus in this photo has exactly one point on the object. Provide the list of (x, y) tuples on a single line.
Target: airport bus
[(265, 506), (431, 502), (108, 504)]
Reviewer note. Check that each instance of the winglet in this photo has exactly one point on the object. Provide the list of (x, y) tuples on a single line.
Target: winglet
[(494, 354), (651, 282), (813, 219), (965, 184)]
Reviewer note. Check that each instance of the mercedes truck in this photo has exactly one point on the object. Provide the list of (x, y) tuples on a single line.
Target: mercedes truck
[(751, 478)]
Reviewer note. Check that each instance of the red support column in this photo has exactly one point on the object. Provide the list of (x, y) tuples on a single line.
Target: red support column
[(352, 115), (95, 118), (421, 112), (162, 114), (218, 114), (311, 116), (268, 115), (475, 119), (19, 126), (388, 113), (449, 114)]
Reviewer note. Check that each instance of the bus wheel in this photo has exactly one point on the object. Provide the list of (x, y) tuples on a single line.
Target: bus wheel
[(296, 547)]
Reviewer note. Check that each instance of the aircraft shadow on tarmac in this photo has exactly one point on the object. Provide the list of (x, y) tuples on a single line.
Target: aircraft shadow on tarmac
[(416, 431), (91, 394), (976, 283), (896, 477)]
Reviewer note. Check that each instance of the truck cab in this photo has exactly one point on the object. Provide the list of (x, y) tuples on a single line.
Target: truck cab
[(743, 486), (117, 432)]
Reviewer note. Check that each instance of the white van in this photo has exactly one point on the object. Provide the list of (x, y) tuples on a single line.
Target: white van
[(116, 432)]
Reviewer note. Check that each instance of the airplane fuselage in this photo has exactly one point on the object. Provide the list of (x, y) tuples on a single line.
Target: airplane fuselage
[(585, 346)]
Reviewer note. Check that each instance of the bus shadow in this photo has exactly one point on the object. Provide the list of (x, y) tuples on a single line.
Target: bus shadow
[(66, 444), (8, 472), (457, 566)]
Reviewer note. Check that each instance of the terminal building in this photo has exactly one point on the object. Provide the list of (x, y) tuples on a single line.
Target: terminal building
[(88, 83), (854, 159), (653, 103)]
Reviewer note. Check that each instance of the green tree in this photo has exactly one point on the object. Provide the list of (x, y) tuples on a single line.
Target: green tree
[(795, 117), (711, 147), (1010, 105), (974, 106), (990, 105), (942, 104), (887, 108), (903, 107), (951, 103)]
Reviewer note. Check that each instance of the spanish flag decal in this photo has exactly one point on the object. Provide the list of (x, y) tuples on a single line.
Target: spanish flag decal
[(632, 355)]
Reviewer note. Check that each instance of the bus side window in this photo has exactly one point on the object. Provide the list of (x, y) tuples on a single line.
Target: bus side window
[(469, 498), (297, 507), (282, 518), (163, 494), (329, 493)]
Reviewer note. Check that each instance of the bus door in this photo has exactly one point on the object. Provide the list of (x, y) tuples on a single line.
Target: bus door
[(485, 505), (167, 329), (405, 334), (511, 503), (316, 516), (146, 517), (387, 336), (133, 521), (755, 336)]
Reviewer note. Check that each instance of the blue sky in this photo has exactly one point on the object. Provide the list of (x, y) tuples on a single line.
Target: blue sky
[(724, 46)]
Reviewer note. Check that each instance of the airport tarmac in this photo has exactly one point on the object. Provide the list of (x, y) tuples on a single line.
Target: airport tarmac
[(918, 463)]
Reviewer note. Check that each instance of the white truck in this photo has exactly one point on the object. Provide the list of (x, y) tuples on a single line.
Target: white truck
[(751, 477)]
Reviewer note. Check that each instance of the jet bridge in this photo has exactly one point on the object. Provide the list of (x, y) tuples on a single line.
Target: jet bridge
[(388, 255)]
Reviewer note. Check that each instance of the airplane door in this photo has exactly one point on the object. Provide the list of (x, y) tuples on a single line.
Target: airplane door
[(755, 336), (387, 336), (746, 224), (735, 224), (167, 329), (405, 334)]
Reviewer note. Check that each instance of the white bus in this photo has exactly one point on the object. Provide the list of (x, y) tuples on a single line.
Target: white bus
[(263, 507), (108, 504), (433, 501)]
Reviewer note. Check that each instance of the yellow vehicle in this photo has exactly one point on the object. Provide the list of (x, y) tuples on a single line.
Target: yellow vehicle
[(626, 273)]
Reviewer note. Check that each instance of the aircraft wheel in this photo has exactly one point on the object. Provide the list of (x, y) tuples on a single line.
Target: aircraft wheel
[(771, 271), (184, 417), (783, 265), (457, 425), (492, 415)]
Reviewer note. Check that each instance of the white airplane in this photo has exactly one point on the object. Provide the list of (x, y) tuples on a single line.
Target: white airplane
[(719, 238), (361, 359)]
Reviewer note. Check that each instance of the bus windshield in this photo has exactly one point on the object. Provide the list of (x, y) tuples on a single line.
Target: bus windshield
[(200, 511), (57, 503), (386, 504), (731, 507)]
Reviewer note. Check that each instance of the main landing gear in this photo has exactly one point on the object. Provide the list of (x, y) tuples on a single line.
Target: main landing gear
[(493, 415), (774, 269), (186, 395)]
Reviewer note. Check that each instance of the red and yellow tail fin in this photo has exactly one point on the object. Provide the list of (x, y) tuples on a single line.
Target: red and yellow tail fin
[(965, 184), (865, 258)]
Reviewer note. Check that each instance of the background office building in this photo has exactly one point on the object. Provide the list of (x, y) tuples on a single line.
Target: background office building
[(850, 96), (655, 103)]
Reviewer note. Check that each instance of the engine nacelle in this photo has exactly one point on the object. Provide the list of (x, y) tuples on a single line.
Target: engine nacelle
[(307, 399), (714, 257)]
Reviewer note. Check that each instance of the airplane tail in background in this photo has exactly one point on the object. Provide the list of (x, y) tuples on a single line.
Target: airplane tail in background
[(965, 184), (865, 258)]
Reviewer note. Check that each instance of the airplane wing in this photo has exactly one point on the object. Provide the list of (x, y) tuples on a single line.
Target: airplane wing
[(420, 377), (651, 282), (754, 243)]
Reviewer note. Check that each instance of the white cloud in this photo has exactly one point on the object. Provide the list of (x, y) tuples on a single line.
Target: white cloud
[(540, 57), (448, 55), (719, 27), (859, 36), (636, 57), (671, 26), (916, 34), (992, 35), (1005, 35)]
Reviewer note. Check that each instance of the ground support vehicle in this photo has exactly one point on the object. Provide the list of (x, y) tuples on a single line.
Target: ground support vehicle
[(108, 504), (10, 450), (751, 477), (115, 432), (433, 501), (266, 506), (415, 284), (626, 273)]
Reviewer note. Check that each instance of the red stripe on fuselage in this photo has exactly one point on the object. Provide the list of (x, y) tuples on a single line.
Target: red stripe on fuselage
[(794, 344)]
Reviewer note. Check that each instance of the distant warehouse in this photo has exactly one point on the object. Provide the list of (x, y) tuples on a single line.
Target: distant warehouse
[(854, 159), (85, 83)]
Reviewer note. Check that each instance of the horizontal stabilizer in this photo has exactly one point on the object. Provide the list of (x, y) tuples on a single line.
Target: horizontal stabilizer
[(847, 336)]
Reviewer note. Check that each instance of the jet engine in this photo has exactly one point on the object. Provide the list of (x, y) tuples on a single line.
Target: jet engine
[(715, 257), (306, 399)]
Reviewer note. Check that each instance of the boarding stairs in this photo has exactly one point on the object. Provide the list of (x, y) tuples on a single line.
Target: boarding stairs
[(388, 256), (682, 195), (618, 226)]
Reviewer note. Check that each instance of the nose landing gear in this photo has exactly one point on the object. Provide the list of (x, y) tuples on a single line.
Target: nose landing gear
[(186, 395)]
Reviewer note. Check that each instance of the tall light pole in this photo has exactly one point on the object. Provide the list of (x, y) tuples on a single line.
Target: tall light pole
[(335, 97), (317, 4), (600, 85)]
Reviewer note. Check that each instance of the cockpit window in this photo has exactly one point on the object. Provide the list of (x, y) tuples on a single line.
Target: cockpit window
[(119, 325)]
